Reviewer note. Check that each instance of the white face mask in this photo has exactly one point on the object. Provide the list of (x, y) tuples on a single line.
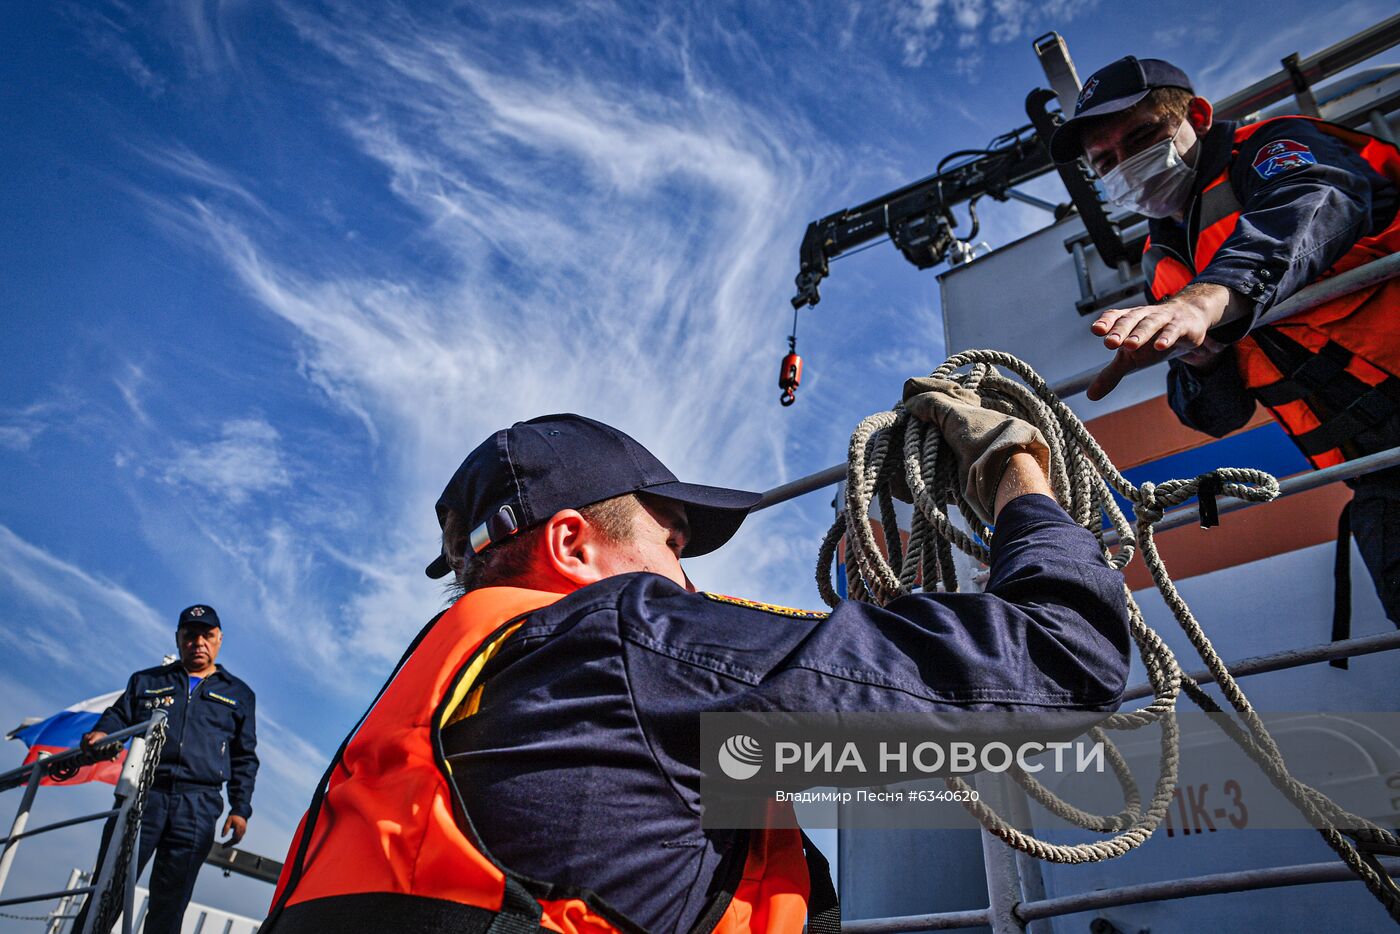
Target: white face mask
[(1154, 183)]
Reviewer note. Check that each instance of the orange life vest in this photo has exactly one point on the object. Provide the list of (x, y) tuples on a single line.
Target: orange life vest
[(387, 845), (1328, 374)]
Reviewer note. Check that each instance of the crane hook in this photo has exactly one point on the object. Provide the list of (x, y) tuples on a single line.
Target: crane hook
[(790, 374)]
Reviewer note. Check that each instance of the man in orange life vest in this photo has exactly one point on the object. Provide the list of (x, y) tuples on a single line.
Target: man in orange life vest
[(534, 761), (1240, 218)]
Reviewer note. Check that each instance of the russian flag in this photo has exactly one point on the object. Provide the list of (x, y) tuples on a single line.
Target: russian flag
[(63, 731)]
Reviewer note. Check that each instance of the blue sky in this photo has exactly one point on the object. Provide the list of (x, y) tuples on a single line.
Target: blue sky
[(272, 269)]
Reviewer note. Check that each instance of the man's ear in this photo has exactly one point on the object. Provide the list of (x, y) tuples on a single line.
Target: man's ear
[(570, 548), (1200, 115)]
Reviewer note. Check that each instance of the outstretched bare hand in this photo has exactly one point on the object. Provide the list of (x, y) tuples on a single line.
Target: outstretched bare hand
[(1145, 334)]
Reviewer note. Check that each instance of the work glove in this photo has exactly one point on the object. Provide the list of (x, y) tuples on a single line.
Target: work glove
[(981, 437)]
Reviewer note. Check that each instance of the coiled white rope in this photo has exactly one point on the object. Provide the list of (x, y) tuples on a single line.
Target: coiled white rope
[(1083, 480)]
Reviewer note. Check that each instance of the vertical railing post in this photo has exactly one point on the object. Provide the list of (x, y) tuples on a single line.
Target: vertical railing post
[(140, 918), (1028, 868), (59, 920), (128, 785), (1003, 880), (129, 887), (7, 857)]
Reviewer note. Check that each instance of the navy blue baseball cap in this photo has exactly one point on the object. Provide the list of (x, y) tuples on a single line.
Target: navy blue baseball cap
[(1113, 88), (522, 475), (199, 615)]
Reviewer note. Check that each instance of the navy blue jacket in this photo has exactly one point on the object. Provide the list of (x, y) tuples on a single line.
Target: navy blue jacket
[(582, 765), (1292, 228), (210, 736)]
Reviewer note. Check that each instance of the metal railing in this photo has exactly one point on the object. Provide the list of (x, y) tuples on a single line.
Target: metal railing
[(1192, 887), (204, 919), (1319, 293), (1330, 61), (67, 908), (231, 859), (128, 792)]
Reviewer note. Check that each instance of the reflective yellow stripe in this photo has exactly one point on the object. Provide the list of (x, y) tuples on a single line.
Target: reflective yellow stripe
[(468, 681), (467, 709)]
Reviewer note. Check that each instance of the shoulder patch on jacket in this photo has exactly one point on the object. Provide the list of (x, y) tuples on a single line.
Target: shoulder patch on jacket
[(1280, 156), (766, 607), (219, 697), (164, 690)]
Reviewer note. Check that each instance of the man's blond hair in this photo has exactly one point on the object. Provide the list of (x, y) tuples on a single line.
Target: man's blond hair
[(511, 560), (1168, 102)]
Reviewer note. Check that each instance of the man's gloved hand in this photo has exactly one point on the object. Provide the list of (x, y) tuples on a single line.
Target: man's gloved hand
[(981, 437)]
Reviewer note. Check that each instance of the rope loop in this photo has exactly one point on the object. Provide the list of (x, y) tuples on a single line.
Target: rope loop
[(1149, 509)]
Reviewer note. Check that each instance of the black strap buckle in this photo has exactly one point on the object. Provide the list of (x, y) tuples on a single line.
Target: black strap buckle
[(1364, 412), (1207, 489)]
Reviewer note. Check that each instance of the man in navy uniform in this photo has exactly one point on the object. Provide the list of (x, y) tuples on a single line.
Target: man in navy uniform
[(577, 756), (209, 741), (1241, 217)]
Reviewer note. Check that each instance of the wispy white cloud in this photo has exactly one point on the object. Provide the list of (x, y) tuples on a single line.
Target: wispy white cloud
[(106, 31), (916, 25), (848, 29), (288, 769), (922, 26), (1247, 55), (204, 25), (1174, 35), (62, 610), (201, 176), (21, 426), (129, 384), (18, 437), (246, 459), (609, 249)]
